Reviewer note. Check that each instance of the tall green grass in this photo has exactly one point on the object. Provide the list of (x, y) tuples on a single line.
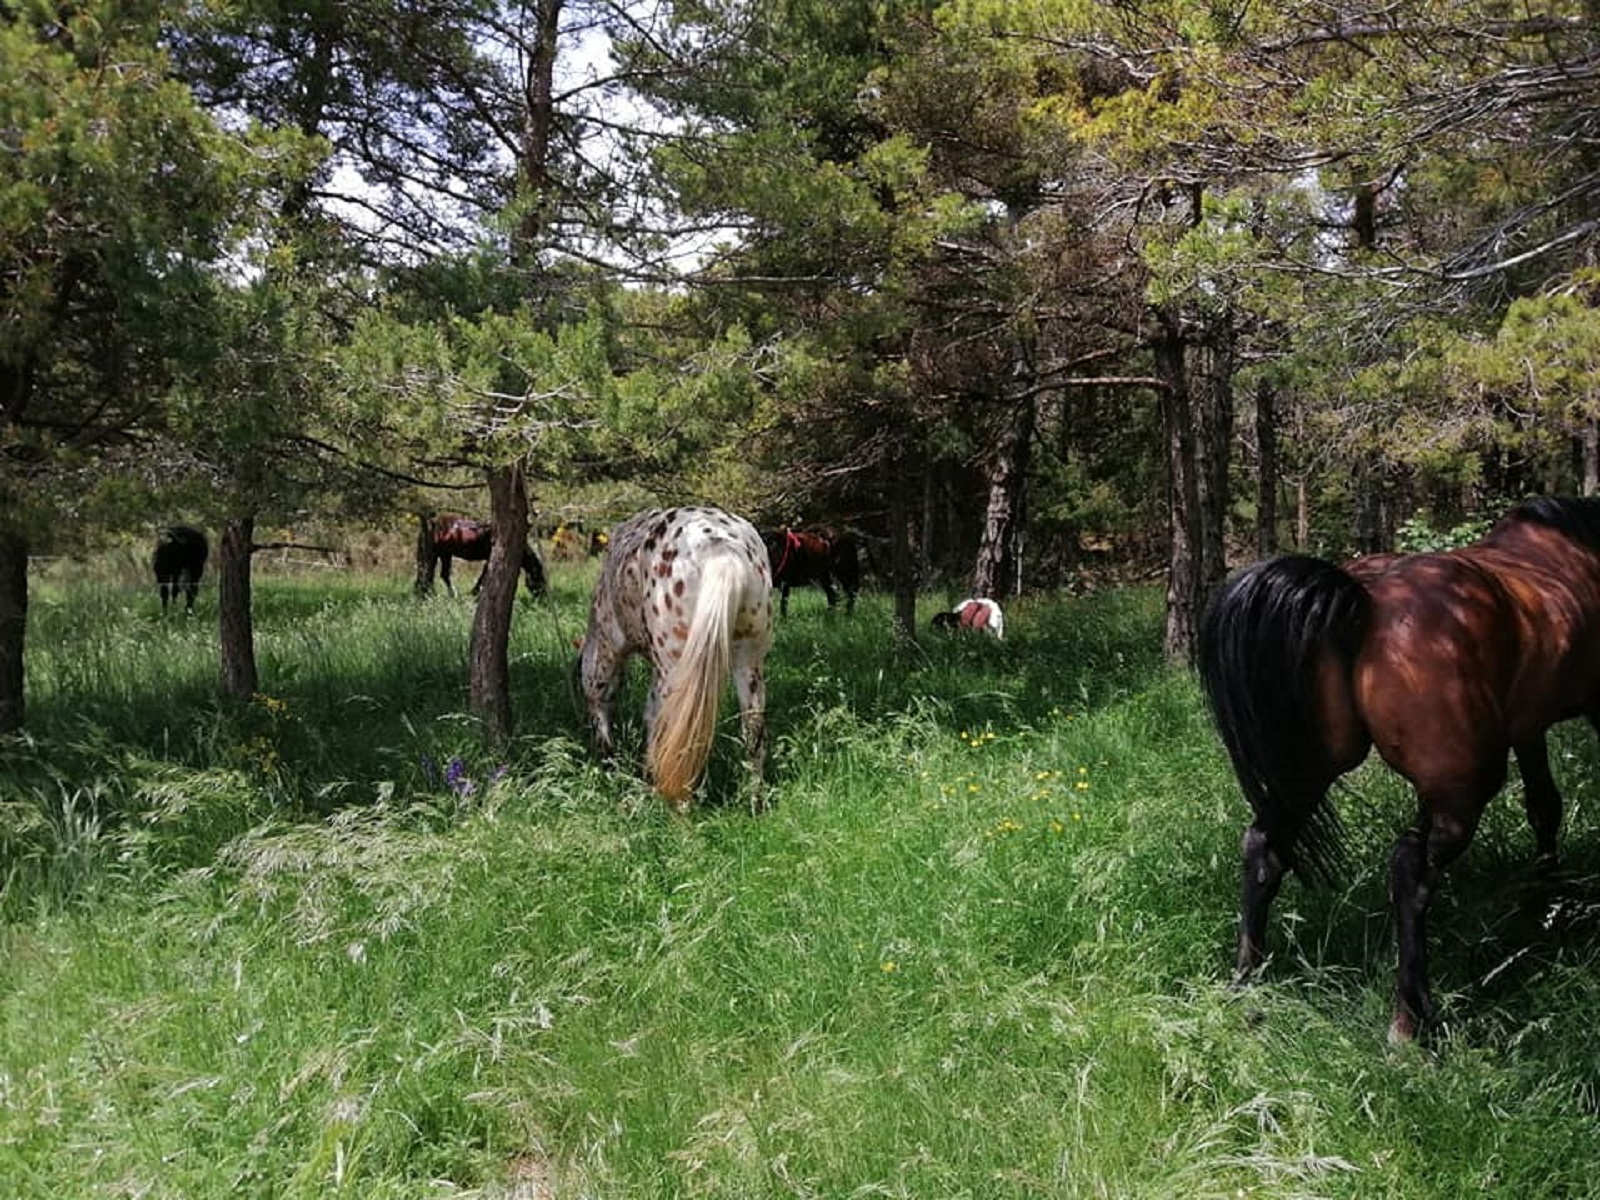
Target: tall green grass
[(978, 947)]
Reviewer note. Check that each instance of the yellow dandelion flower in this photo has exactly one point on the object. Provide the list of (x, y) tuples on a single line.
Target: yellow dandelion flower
[(1082, 785), (888, 966)]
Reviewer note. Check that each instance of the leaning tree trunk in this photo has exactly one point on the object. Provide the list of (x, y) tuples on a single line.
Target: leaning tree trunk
[(235, 630), (1183, 566), (13, 626), (489, 687), (1008, 472)]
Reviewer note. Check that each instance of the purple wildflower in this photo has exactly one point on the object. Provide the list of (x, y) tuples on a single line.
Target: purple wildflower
[(455, 778)]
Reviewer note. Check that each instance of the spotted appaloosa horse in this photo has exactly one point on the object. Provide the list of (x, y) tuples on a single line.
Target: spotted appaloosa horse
[(690, 589), (179, 561), (821, 556), (451, 537)]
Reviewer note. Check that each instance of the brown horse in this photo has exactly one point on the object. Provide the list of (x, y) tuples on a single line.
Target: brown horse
[(449, 537), (1448, 663), (821, 556)]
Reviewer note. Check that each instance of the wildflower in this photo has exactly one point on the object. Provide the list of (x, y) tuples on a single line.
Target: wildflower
[(1082, 785), (455, 778), (888, 966)]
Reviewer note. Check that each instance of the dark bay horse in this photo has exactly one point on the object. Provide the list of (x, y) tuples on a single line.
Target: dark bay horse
[(1448, 663), (451, 537), (821, 556), (179, 561), (688, 588)]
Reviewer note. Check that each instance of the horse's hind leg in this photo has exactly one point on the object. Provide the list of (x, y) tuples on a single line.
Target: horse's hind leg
[(1442, 832), (1540, 797), (1264, 869), (750, 682)]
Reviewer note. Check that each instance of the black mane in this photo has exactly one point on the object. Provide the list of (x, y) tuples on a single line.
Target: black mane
[(1576, 518)]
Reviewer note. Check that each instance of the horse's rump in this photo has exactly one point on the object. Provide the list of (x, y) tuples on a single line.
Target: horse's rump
[(1274, 646), (690, 589)]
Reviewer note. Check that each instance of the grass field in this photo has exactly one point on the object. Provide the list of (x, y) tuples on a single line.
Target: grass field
[(329, 944)]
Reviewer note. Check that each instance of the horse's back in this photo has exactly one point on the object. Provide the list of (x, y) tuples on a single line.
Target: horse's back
[(1473, 650)]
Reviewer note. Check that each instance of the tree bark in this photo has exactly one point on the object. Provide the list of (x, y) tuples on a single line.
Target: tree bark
[(426, 557), (997, 565), (1266, 471), (489, 687), (1183, 567), (1213, 441), (902, 566), (1591, 457), (13, 627), (235, 629)]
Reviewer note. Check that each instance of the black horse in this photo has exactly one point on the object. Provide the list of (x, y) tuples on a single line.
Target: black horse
[(449, 537), (822, 556), (179, 561)]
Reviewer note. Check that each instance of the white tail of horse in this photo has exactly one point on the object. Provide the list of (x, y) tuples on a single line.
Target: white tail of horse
[(686, 719)]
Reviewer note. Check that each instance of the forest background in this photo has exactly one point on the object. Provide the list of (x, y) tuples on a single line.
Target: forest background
[(1015, 290)]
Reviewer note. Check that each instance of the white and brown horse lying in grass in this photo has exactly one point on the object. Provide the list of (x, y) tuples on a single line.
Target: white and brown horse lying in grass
[(691, 589)]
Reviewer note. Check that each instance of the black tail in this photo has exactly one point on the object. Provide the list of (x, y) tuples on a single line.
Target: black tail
[(1260, 643)]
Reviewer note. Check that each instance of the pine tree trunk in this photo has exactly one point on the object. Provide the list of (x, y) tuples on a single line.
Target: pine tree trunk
[(1183, 566), (1591, 457), (13, 627), (1266, 471), (427, 558), (902, 567), (489, 686), (1008, 472), (1212, 443), (235, 630)]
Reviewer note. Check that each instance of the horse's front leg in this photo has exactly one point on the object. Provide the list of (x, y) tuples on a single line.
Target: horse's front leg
[(1263, 875), (783, 600), (827, 590), (444, 574), (750, 682), (1540, 798), (600, 677)]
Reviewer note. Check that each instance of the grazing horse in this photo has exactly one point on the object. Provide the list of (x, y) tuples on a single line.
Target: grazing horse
[(690, 589), (1448, 663), (179, 561), (979, 613), (821, 556), (451, 537)]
